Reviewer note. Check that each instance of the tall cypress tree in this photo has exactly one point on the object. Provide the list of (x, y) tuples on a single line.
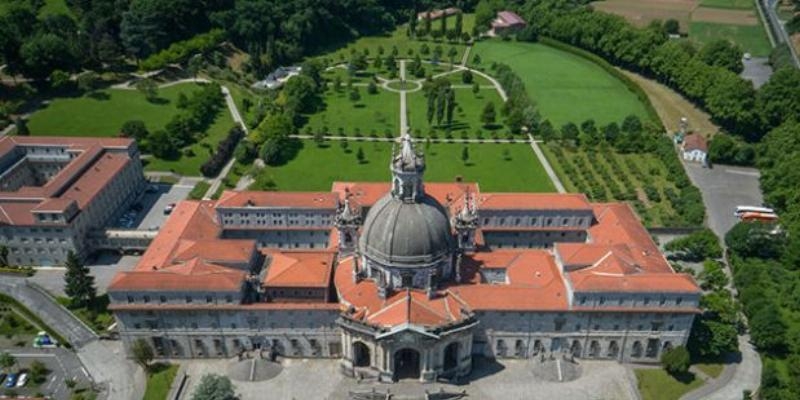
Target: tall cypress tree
[(79, 283), (451, 105), (459, 23)]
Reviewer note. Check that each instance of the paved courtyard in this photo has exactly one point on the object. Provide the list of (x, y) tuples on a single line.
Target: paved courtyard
[(509, 379)]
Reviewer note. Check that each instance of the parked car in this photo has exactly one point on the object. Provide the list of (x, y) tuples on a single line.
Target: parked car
[(11, 380), (168, 209), (22, 380)]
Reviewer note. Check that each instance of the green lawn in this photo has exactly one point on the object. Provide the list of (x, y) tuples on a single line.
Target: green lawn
[(657, 384), (103, 113), (466, 117), (316, 168), (189, 165), (199, 190), (374, 113), (159, 380), (711, 369), (732, 4), (751, 38), (564, 86)]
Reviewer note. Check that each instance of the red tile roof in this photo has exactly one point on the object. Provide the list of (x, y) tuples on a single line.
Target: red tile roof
[(191, 276), (81, 179), (533, 201), (695, 141), (299, 269), (278, 199)]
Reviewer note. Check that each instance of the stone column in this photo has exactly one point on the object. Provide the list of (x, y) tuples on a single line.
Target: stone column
[(428, 374)]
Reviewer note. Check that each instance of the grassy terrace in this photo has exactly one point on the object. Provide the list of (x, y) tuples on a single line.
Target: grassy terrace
[(605, 175), (315, 168), (564, 86), (657, 384), (466, 117), (102, 114), (374, 113)]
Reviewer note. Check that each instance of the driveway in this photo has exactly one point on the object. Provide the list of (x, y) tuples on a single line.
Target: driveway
[(756, 70), (725, 187)]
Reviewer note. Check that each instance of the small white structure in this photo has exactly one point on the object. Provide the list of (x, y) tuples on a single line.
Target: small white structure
[(277, 78), (695, 148)]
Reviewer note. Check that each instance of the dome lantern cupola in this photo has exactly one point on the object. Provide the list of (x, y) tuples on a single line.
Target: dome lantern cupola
[(407, 168)]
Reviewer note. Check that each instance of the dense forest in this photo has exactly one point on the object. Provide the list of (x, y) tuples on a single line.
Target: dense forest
[(103, 33)]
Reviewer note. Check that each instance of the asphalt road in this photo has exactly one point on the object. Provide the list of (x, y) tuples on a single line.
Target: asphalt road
[(50, 312)]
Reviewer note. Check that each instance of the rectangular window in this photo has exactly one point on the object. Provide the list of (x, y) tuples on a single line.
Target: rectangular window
[(188, 299), (130, 299)]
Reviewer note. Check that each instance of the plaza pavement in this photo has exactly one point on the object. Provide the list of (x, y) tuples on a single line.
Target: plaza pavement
[(508, 379)]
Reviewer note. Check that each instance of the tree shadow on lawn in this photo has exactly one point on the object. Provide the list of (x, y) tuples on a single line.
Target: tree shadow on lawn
[(158, 101), (359, 105), (155, 368), (98, 95), (685, 378)]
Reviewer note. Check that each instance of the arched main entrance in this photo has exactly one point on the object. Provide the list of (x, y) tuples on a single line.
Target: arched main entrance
[(451, 356), (361, 355), (406, 364)]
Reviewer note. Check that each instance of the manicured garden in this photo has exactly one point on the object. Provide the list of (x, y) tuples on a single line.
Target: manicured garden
[(564, 86), (497, 167), (371, 114), (466, 118)]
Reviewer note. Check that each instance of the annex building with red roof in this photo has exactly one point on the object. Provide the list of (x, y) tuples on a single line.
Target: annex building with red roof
[(55, 191), (405, 279)]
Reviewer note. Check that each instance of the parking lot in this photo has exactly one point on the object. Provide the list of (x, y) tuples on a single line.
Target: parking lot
[(725, 187), (148, 212), (62, 365)]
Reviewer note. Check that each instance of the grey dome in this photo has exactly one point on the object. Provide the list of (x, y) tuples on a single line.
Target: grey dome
[(406, 234)]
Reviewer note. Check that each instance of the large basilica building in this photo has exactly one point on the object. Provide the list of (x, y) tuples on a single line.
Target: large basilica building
[(405, 279)]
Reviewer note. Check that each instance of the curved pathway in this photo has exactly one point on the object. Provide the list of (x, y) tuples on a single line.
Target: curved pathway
[(734, 379)]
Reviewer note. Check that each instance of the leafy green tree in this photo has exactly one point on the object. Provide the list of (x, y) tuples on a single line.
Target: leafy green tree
[(466, 77), (7, 361), (696, 246), (676, 361), (778, 101), (355, 96), (59, 80), (488, 115), (723, 53), (162, 144), (754, 240), (569, 132), (476, 59), (360, 155), (372, 88), (672, 26), (459, 28), (476, 88), (214, 387), (142, 353), (195, 64), (134, 129), (768, 329), (713, 276), (88, 81), (148, 88), (484, 14), (79, 283), (245, 152), (45, 53), (38, 372), (22, 126)]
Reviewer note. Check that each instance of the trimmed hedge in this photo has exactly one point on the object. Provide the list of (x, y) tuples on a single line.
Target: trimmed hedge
[(630, 84), (181, 51)]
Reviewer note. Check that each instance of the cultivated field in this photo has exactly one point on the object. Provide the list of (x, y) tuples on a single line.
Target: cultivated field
[(702, 20), (565, 87)]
